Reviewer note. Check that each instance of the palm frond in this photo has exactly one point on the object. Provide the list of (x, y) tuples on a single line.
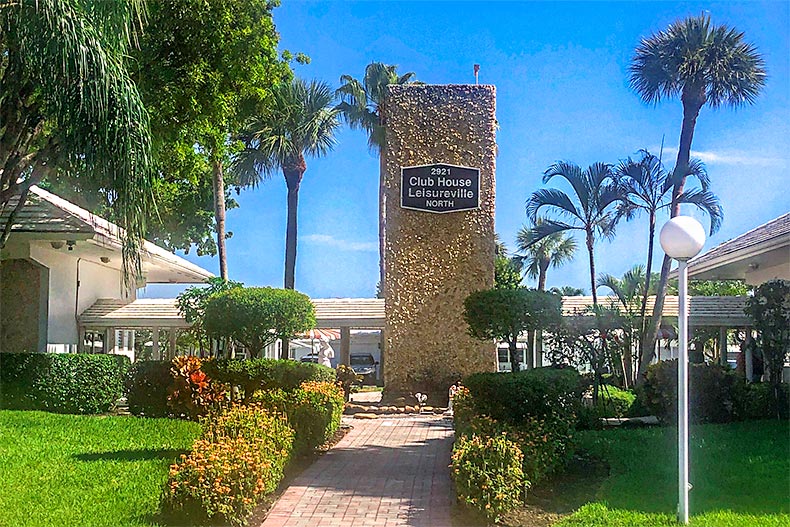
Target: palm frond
[(553, 199), (707, 202)]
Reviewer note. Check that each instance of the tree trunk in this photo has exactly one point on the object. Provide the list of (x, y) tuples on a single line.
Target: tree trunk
[(590, 245), (692, 103), (219, 213), (542, 276), (293, 178)]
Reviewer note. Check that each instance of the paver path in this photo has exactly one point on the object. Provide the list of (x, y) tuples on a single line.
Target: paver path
[(384, 472)]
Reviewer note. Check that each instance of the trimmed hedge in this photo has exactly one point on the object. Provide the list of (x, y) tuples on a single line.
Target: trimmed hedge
[(239, 459), (147, 385), (313, 410), (265, 374), (711, 392), (513, 397), (758, 401), (64, 383)]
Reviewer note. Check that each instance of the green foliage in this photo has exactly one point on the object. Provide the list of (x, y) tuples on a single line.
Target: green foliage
[(536, 409), (69, 107), (266, 374), (537, 256), (769, 308), (615, 402), (363, 104), (544, 393), (147, 388), (63, 383), (313, 410), (487, 474), (193, 300), (760, 401), (239, 460), (203, 69), (507, 273), (711, 389), (718, 288), (258, 316), (503, 314), (95, 471)]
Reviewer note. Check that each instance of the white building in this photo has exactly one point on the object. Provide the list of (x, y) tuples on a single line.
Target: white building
[(60, 260)]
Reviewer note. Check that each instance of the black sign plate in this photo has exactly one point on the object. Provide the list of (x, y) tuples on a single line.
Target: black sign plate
[(440, 188)]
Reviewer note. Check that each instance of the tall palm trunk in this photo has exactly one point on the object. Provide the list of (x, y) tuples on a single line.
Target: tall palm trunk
[(219, 212), (293, 178), (590, 245), (693, 99), (542, 271)]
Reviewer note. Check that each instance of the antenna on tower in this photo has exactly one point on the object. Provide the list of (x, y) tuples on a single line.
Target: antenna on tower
[(477, 72)]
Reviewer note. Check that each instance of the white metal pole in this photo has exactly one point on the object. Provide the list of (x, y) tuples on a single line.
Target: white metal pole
[(683, 395)]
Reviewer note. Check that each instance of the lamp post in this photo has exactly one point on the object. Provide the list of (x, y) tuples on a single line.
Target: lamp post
[(682, 237)]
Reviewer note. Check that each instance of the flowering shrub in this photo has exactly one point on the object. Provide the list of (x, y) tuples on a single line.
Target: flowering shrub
[(192, 392), (463, 411), (313, 410), (487, 473), (543, 444), (239, 458)]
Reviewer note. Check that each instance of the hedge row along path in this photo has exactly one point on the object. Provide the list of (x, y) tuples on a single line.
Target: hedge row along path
[(384, 472)]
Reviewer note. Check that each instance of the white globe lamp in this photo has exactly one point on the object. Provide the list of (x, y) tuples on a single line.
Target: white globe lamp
[(682, 238)]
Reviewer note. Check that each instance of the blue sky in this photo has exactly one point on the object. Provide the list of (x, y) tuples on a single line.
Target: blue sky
[(560, 69)]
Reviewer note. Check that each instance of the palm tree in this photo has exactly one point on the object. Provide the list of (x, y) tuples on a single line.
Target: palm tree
[(594, 191), (554, 250), (702, 64), (363, 107), (567, 290), (301, 121), (66, 101), (644, 185)]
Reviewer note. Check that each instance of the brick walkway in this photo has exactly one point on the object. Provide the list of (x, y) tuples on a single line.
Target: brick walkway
[(384, 472)]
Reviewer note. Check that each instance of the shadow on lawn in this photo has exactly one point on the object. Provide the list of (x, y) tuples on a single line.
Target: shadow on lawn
[(143, 454)]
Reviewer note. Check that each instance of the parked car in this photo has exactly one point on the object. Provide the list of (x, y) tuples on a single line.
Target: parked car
[(364, 364), (310, 357)]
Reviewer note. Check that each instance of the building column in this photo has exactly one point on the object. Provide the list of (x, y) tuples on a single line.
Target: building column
[(723, 346), (345, 346), (155, 352), (172, 342), (109, 341)]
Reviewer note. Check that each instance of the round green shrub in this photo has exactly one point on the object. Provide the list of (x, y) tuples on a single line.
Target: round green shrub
[(487, 473), (615, 402)]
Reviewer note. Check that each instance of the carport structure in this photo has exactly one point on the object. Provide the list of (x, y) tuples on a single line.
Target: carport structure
[(106, 315)]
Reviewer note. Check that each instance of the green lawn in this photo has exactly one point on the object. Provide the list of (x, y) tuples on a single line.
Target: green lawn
[(85, 470), (740, 473)]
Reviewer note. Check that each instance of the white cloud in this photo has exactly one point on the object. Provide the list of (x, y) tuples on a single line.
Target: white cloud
[(725, 157), (343, 245)]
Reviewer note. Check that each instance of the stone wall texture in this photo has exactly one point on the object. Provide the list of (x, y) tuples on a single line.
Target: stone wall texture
[(23, 315), (434, 261)]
